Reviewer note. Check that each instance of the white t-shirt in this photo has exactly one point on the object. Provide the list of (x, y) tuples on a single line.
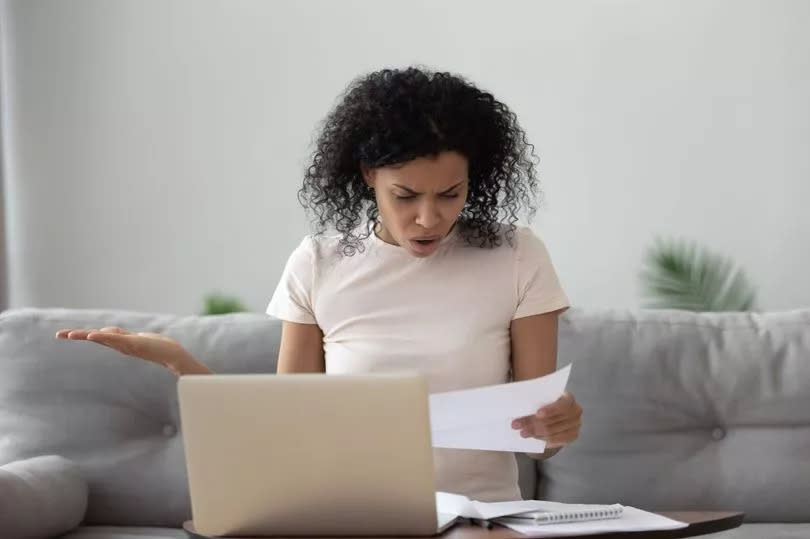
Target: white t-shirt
[(446, 315)]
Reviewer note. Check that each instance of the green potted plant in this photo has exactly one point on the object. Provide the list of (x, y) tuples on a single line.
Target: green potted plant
[(216, 303), (680, 274)]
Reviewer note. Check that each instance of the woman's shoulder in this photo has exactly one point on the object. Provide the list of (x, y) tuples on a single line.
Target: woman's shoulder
[(503, 236), (320, 247), (526, 235), (516, 245), (311, 246)]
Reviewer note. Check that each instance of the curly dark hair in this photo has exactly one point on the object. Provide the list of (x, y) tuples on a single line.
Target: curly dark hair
[(392, 116)]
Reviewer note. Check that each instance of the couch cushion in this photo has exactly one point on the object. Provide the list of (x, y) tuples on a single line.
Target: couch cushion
[(688, 411), (120, 532), (41, 497), (115, 416)]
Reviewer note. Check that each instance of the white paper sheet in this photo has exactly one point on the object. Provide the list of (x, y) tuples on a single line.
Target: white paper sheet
[(632, 520), (481, 418), (460, 505)]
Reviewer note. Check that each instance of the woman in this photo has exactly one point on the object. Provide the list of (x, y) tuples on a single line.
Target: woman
[(422, 177)]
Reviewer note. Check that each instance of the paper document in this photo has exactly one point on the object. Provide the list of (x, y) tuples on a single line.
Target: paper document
[(481, 418), (458, 504)]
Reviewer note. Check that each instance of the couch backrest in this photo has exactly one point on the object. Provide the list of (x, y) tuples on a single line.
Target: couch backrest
[(115, 416), (682, 411), (688, 411)]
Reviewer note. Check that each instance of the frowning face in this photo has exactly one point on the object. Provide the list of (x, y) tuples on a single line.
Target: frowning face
[(420, 200)]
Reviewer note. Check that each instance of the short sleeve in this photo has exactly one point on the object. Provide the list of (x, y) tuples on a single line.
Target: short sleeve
[(538, 287), (292, 300)]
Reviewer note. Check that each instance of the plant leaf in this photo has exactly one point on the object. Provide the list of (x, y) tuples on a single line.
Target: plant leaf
[(221, 304), (682, 275)]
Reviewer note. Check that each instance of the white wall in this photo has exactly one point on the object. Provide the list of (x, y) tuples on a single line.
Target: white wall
[(154, 149)]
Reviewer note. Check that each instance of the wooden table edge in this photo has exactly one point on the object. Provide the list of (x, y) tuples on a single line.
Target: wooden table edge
[(704, 522), (699, 523)]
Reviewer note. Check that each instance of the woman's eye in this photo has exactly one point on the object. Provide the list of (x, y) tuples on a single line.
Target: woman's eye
[(450, 195), (404, 197)]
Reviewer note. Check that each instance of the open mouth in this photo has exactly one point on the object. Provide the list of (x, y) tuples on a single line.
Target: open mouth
[(425, 246)]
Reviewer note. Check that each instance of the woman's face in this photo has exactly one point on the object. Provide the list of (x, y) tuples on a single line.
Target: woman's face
[(419, 200)]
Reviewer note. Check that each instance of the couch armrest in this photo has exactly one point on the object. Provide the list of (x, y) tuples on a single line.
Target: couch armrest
[(41, 497)]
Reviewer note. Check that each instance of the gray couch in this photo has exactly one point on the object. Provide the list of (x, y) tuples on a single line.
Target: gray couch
[(682, 411)]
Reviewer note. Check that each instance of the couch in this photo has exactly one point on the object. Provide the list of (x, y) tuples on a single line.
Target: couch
[(682, 411)]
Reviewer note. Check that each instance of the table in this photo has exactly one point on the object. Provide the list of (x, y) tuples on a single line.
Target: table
[(700, 523)]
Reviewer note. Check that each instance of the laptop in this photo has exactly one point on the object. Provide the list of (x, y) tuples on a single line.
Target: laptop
[(309, 454)]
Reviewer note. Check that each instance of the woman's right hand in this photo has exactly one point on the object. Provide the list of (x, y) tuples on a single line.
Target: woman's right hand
[(152, 347)]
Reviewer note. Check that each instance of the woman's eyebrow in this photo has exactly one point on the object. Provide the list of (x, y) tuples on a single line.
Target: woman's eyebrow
[(412, 192)]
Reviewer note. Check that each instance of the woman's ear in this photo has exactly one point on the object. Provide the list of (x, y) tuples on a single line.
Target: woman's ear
[(369, 175)]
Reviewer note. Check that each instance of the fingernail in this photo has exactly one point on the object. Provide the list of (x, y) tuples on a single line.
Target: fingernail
[(515, 424)]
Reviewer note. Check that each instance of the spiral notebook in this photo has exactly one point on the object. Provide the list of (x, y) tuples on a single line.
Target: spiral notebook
[(538, 518), (559, 513)]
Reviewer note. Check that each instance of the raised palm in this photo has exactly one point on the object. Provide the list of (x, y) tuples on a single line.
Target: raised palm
[(152, 347)]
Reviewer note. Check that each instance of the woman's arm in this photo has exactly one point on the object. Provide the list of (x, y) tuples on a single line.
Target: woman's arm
[(534, 354), (301, 349), (534, 346)]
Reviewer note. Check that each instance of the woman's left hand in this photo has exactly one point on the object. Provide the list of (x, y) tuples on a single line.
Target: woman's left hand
[(557, 423)]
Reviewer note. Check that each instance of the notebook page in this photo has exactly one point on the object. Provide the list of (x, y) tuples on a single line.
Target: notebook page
[(632, 519)]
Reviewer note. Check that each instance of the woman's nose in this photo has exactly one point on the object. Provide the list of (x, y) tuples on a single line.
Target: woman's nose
[(428, 215)]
